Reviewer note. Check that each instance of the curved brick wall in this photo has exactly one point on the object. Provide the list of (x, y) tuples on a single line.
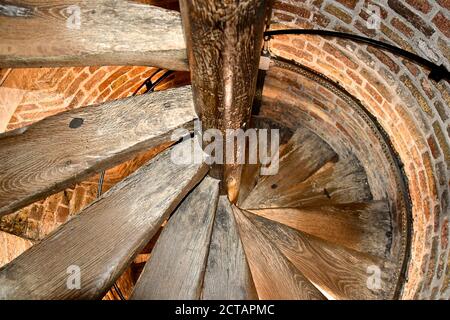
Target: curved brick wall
[(413, 110)]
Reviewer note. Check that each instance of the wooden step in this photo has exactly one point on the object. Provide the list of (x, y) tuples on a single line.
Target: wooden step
[(227, 274), (341, 272), (104, 238), (251, 172), (59, 33), (54, 153), (275, 277), (177, 264), (364, 227), (304, 154), (344, 181)]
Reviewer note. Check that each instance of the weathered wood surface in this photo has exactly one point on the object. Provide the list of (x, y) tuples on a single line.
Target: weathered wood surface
[(275, 277), (344, 181), (58, 151), (224, 44), (304, 155), (177, 265), (57, 33), (227, 274), (341, 272), (364, 227), (104, 238), (251, 172)]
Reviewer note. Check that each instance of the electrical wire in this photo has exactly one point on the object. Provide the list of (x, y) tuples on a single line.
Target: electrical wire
[(437, 73)]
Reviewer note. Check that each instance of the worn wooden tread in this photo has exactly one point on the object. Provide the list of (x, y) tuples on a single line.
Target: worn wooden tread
[(227, 275), (342, 181), (104, 238), (341, 272), (251, 172), (364, 227), (60, 33), (35, 163), (178, 261), (275, 277), (303, 155)]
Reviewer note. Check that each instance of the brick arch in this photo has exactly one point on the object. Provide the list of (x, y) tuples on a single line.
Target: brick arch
[(412, 109)]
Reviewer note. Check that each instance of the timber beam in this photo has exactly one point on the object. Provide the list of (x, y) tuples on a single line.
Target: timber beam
[(224, 41)]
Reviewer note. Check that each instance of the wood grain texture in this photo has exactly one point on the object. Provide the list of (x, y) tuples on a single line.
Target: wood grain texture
[(303, 155), (227, 274), (58, 151), (364, 227), (344, 181), (251, 172), (105, 237), (58, 33), (224, 44), (177, 264), (275, 277), (341, 272)]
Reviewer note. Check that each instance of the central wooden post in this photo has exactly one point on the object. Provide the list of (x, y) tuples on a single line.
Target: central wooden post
[(224, 39)]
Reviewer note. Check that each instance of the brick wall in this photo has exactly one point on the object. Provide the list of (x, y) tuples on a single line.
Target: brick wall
[(413, 110)]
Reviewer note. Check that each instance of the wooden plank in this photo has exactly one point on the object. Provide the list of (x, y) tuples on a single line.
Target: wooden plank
[(344, 181), (177, 264), (274, 275), (58, 151), (364, 227), (227, 274), (251, 172), (105, 237), (304, 154), (60, 33), (341, 272), (224, 45)]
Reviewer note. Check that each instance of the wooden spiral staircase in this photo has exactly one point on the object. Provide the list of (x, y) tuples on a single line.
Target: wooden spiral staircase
[(312, 231)]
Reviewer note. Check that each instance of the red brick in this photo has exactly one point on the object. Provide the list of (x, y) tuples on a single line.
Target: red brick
[(385, 59), (430, 174), (444, 234), (421, 5), (75, 85), (284, 17), (320, 20), (411, 17), (112, 77), (426, 86), (298, 11), (341, 56), (338, 13), (93, 81), (403, 28), (348, 3), (433, 147), (444, 3), (374, 93), (442, 23), (354, 76)]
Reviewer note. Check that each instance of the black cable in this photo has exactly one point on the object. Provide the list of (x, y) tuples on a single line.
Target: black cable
[(437, 73), (119, 292), (152, 87), (149, 79)]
